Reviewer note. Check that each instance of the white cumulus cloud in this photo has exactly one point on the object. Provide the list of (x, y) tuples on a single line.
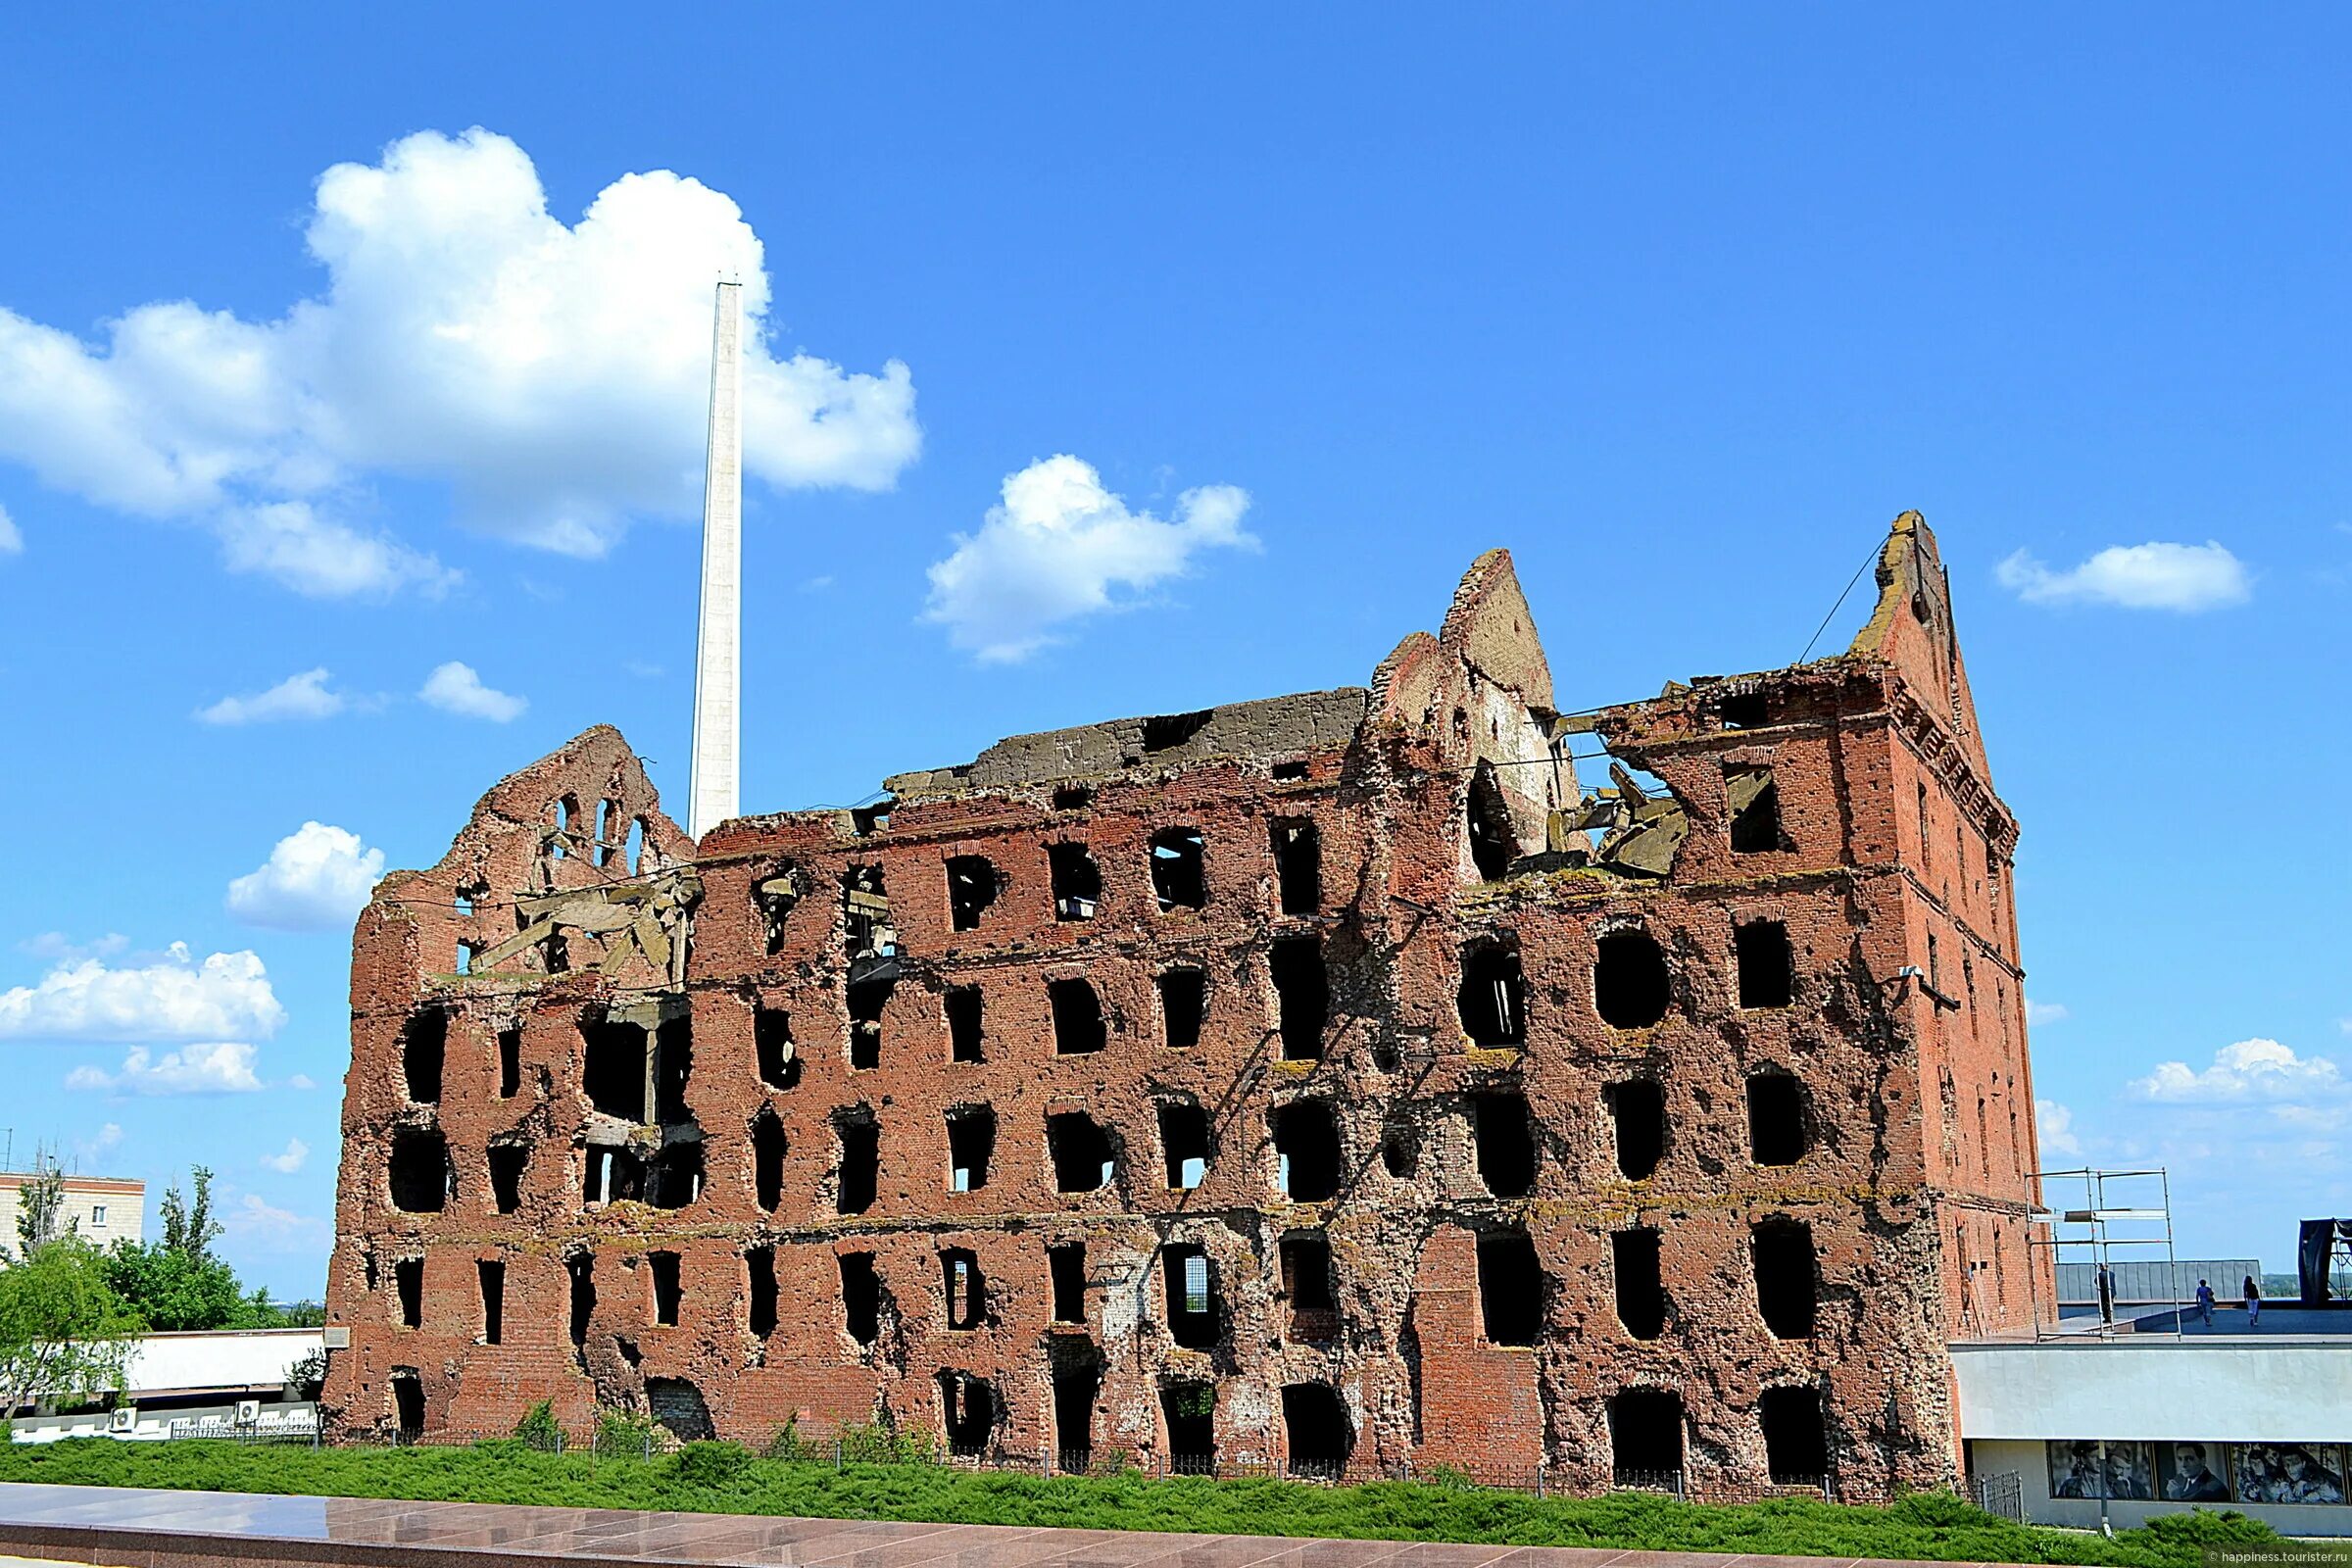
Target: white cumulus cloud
[(455, 688), (1058, 546), (12, 542), (100, 1144), (228, 994), (317, 878), (303, 696), (2055, 1125), (2042, 1013), (2249, 1070), (2149, 576), (254, 1222), (224, 1067), (290, 1161), (555, 375)]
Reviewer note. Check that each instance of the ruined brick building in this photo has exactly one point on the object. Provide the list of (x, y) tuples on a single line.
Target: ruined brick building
[(1326, 1079)]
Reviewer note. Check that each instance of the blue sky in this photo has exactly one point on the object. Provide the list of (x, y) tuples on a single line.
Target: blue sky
[(1273, 322)]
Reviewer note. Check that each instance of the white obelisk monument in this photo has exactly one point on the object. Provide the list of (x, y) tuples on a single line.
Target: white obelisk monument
[(719, 635)]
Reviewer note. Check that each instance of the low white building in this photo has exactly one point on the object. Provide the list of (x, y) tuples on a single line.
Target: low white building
[(2257, 1419), (231, 1382), (102, 1209)]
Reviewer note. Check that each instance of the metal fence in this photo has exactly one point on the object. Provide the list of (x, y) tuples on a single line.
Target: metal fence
[(2003, 1494)]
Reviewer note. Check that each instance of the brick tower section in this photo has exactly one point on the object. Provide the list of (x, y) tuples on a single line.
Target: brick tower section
[(1326, 1081)]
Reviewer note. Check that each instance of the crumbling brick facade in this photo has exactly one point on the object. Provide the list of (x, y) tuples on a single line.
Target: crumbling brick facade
[(1328, 1079)]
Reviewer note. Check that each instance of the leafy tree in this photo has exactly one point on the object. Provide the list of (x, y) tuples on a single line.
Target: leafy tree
[(41, 1211), (191, 1228), (65, 1336), (172, 1291)]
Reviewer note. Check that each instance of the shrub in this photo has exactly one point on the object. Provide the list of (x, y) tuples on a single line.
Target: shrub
[(538, 1430), (713, 1464), (871, 1442), (788, 1446), (624, 1432), (1938, 1510), (2202, 1527)]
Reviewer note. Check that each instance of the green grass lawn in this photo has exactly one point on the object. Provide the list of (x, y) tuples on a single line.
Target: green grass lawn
[(721, 1478)]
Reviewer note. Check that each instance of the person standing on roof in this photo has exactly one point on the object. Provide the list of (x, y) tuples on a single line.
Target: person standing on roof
[(2253, 1302), (2205, 1301)]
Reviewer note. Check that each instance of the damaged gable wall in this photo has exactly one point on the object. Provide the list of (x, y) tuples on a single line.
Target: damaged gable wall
[(1326, 1081)]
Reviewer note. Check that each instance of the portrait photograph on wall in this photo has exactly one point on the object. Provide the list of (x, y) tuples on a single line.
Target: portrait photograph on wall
[(2192, 1472), (2288, 1472), (2121, 1471)]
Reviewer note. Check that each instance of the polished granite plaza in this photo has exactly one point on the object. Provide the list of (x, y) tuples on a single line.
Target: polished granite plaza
[(152, 1529)]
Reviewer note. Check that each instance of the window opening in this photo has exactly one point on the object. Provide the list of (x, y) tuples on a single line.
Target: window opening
[(1081, 1151), (407, 1285), (1078, 1026), (581, 1273), (1501, 1130), (967, 1303), (1065, 1262), (1743, 711), (1493, 845), (1077, 881), (1638, 1116), (1493, 1001), (867, 999), (674, 1064), (1775, 1119), (1303, 995), (1072, 798), (760, 1269), (859, 1168), (1183, 1005), (968, 1411), (1796, 1448), (1306, 1280), (1317, 1437), (1396, 1153), (1785, 1277), (1630, 985), (768, 1147), (1167, 730), (1192, 1297), (1306, 1149), (867, 932), (674, 1177), (861, 1298), (1646, 1434), (1510, 1289), (776, 894), (509, 1061), (1641, 1291), (490, 1276), (422, 1043), (1077, 1375), (1184, 1137), (613, 1175), (615, 1065), (1753, 801), (971, 889), (965, 1023), (408, 1404), (1767, 965), (1297, 866), (1190, 1409), (668, 1288), (506, 1163), (420, 1173), (972, 1144), (676, 1407), (772, 1043), (1179, 869)]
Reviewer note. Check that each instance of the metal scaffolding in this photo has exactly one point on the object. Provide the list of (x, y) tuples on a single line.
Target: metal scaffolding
[(2115, 1213)]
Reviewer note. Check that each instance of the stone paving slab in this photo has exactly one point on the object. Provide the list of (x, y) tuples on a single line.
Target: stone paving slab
[(136, 1528)]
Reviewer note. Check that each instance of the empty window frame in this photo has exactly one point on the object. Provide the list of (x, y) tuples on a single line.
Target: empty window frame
[(580, 1276), (1743, 711), (1776, 1129), (669, 1288), (1078, 1025), (966, 1023), (1166, 731), (408, 1404), (1065, 1266), (1317, 1435), (759, 1274), (1192, 1289), (772, 1043), (971, 1146), (967, 1411), (1184, 1138), (418, 1171), (1645, 1435), (424, 1042), (1303, 994), (1076, 881), (866, 926), (867, 999), (1190, 1409), (1785, 1285), (859, 1168), (1179, 869), (1510, 1287), (1072, 797), (1503, 1134), (1493, 1000), (1494, 842), (1183, 1006), (408, 1291), (674, 1178), (611, 1174), (507, 1162), (1766, 963), (860, 1296), (1638, 1120), (769, 1148), (509, 1061), (674, 1064), (961, 1288), (1631, 988), (776, 894), (616, 1066), (971, 889), (1641, 1289), (1307, 1283), (490, 1280), (1752, 804), (1307, 1150), (1077, 1378), (1397, 1154), (1297, 866), (1081, 1151), (1797, 1446)]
